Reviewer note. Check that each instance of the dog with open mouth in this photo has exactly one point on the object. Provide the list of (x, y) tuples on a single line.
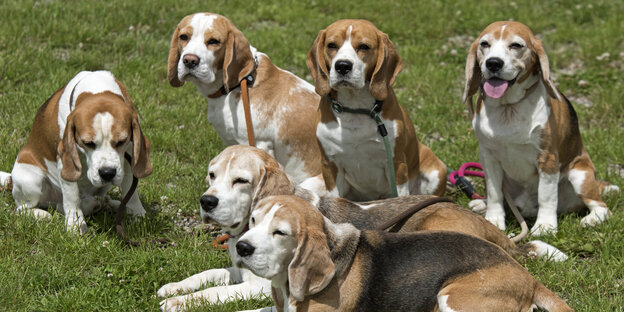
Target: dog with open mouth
[(240, 176), (529, 140), (317, 265)]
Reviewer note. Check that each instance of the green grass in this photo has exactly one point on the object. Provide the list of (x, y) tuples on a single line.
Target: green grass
[(43, 44)]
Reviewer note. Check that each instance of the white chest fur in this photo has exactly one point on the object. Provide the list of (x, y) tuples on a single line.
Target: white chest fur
[(353, 143), (511, 134)]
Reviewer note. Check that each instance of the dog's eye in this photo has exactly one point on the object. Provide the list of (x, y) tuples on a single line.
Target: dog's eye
[(88, 144), (485, 44), (363, 47), (212, 41), (211, 175), (278, 232), (120, 143), (515, 46), (240, 180), (183, 37), (332, 45)]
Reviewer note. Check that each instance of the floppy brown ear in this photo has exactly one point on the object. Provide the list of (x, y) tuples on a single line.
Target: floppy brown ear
[(273, 181), (473, 77), (388, 66), (238, 62), (68, 153), (311, 269), (317, 65), (141, 166), (174, 58), (545, 68)]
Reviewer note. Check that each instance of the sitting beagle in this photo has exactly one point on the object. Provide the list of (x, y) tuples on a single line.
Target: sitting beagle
[(354, 66), (317, 265), (529, 139), (209, 51), (75, 151), (240, 176)]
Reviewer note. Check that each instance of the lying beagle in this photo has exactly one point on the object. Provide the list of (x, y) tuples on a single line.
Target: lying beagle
[(240, 176), (89, 123), (317, 265), (529, 139), (209, 51), (354, 66)]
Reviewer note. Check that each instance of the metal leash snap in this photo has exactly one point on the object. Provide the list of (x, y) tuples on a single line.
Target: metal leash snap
[(336, 107)]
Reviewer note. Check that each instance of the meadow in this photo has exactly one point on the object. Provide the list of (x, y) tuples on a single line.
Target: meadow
[(44, 43)]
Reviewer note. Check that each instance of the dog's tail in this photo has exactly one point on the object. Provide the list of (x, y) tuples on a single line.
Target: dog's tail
[(6, 183), (545, 299), (538, 249)]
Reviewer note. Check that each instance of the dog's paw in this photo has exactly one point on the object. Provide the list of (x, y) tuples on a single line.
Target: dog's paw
[(478, 206), (610, 190), (172, 304), (596, 216), (76, 225), (498, 221), (168, 290), (543, 228)]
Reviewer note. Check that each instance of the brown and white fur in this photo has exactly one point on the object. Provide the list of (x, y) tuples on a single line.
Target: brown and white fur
[(529, 139), (315, 264), (240, 176), (75, 151), (209, 51), (356, 64)]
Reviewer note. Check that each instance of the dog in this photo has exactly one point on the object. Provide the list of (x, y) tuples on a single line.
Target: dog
[(528, 134), (240, 176), (209, 51), (354, 66), (89, 123), (317, 265)]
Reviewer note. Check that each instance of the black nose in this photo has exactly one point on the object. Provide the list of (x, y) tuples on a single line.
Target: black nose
[(190, 60), (343, 67), (107, 174), (208, 202), (494, 64), (244, 249)]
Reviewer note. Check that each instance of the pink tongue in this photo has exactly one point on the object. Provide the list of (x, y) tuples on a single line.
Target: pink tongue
[(495, 87)]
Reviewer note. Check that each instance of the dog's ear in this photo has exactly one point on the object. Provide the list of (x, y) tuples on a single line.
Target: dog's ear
[(311, 269), (141, 166), (544, 68), (174, 58), (238, 62), (473, 77), (273, 181), (318, 66), (68, 153), (388, 66)]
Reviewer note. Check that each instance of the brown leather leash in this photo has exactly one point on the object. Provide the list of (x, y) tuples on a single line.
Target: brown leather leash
[(218, 242), (403, 216)]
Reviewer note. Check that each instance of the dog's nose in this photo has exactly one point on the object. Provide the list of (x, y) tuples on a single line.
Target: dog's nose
[(494, 64), (208, 202), (244, 249), (107, 174), (343, 67), (190, 60)]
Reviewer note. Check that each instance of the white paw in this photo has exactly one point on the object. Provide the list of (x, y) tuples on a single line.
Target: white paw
[(498, 221), (478, 206), (168, 289), (172, 304), (77, 225), (551, 253), (610, 189), (596, 216), (135, 211), (543, 228)]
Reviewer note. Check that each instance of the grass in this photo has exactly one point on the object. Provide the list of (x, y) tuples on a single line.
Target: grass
[(43, 44)]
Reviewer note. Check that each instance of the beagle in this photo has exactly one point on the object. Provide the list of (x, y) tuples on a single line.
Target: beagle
[(354, 66), (209, 51), (89, 123), (240, 176), (528, 134), (317, 265)]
